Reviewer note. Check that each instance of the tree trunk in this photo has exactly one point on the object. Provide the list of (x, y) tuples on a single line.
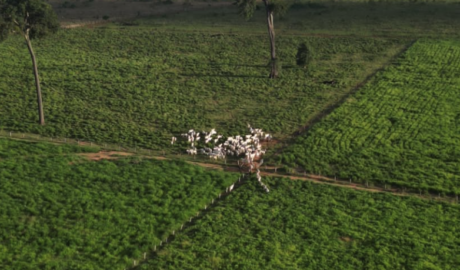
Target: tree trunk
[(271, 33), (41, 114)]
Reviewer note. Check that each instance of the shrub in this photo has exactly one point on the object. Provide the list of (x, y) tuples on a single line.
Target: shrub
[(304, 56)]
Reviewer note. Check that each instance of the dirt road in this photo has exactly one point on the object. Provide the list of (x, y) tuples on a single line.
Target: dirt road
[(268, 172)]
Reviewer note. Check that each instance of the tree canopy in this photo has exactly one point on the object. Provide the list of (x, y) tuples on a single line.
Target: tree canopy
[(277, 7), (34, 17)]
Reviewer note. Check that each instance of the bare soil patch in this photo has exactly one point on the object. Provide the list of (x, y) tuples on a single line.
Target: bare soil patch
[(105, 155)]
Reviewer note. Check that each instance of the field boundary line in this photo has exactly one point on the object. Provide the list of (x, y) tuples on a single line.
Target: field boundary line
[(329, 109), (152, 254)]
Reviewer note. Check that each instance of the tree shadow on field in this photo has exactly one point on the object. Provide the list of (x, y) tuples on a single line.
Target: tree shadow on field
[(215, 71), (236, 65), (203, 75)]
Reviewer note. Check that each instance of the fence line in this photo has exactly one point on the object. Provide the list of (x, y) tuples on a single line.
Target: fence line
[(175, 231), (376, 185)]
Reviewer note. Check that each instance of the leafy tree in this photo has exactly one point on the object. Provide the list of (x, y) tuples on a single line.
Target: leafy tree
[(272, 7), (32, 19)]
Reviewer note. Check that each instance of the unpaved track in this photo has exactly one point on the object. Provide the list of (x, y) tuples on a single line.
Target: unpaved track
[(105, 155), (268, 173)]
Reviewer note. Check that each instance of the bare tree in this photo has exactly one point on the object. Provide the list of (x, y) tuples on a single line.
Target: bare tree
[(272, 8)]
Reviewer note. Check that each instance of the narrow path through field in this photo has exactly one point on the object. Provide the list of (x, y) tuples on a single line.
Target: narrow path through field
[(265, 171), (105, 155), (271, 172)]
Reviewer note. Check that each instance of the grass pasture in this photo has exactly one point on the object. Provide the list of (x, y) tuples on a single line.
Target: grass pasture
[(300, 225), (65, 212), (402, 128), (139, 86)]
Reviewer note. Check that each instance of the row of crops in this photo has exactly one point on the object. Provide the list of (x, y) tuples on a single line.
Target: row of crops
[(138, 87), (402, 129), (300, 225), (64, 212)]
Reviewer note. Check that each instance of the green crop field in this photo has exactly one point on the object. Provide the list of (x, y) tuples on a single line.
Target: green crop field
[(379, 104), (21, 149), (403, 128), (64, 212), (300, 225), (139, 86)]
